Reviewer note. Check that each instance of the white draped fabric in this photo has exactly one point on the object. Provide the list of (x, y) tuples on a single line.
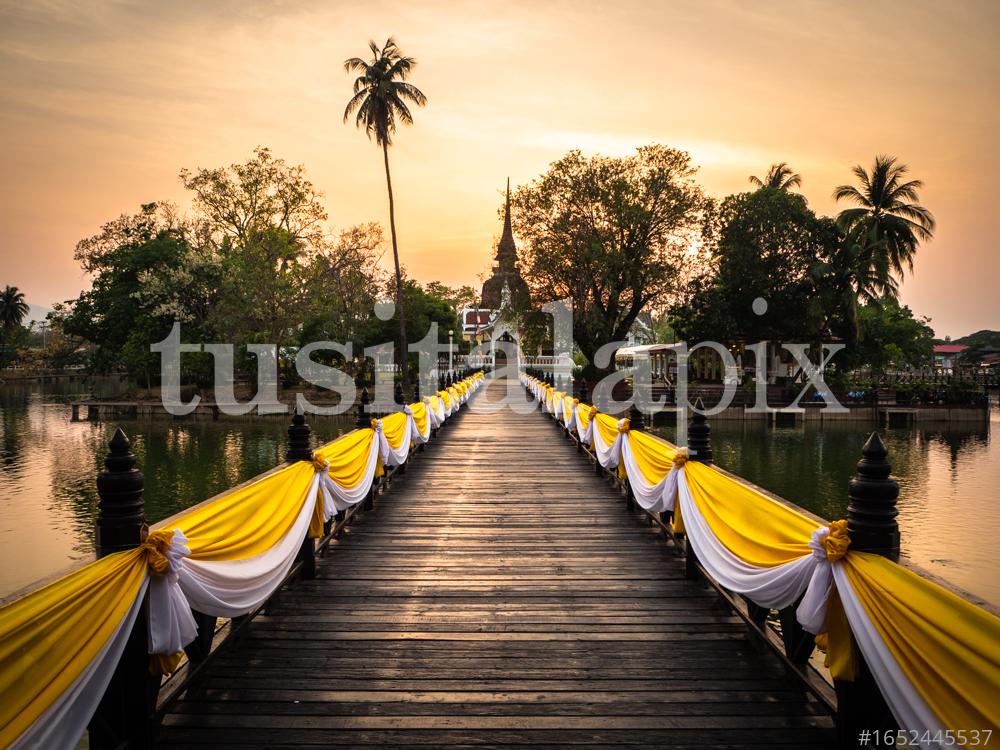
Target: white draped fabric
[(394, 456), (585, 434), (224, 588), (415, 434), (907, 706), (608, 455), (63, 722), (775, 587), (656, 498)]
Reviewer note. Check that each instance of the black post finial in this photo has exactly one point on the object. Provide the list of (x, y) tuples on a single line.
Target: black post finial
[(398, 396), (871, 514), (635, 418), (416, 391), (699, 435), (583, 391), (299, 432), (363, 417), (121, 513)]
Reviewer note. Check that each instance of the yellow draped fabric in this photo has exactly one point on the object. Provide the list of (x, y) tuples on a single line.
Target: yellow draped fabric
[(446, 398), (50, 636), (247, 521), (608, 427), (432, 403), (420, 417), (583, 415), (394, 428), (348, 456), (754, 527), (947, 647), (653, 456)]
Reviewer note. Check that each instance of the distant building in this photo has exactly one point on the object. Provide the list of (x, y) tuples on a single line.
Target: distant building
[(505, 270), (505, 290), (946, 355)]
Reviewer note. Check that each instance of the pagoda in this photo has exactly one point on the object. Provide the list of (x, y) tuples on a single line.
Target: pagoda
[(505, 272)]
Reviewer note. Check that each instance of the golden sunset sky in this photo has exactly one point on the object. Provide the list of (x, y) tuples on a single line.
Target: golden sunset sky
[(102, 103)]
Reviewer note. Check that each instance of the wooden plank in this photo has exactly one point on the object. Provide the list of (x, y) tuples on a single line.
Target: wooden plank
[(499, 595)]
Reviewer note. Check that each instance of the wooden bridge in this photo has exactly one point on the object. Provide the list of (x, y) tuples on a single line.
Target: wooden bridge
[(499, 595)]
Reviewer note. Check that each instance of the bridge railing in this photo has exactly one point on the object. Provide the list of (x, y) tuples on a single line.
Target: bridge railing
[(905, 652), (102, 647)]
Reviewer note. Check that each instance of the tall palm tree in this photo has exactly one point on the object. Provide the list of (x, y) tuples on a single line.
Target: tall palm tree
[(887, 218), (381, 95), (779, 176), (13, 310)]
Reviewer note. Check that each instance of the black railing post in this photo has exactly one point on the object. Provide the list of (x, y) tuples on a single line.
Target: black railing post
[(398, 395), (300, 449), (124, 714), (872, 527), (363, 417), (699, 449), (699, 435), (871, 514)]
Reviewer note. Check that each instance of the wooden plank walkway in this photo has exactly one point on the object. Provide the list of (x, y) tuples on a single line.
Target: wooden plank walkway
[(500, 595)]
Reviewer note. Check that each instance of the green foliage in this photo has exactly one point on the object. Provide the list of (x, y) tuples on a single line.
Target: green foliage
[(112, 315), (13, 311), (889, 335), (611, 233), (888, 224), (762, 244), (780, 177), (253, 264)]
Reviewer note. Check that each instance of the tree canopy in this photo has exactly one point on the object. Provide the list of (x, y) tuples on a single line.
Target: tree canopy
[(612, 233)]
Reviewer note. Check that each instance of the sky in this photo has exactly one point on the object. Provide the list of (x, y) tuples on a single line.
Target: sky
[(103, 103)]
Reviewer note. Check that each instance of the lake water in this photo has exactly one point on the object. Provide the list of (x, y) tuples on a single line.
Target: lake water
[(48, 466), (948, 474), (949, 477)]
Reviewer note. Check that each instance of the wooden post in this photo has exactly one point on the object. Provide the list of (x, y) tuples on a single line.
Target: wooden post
[(699, 449), (871, 514), (299, 449), (699, 435), (363, 418), (124, 714), (871, 524)]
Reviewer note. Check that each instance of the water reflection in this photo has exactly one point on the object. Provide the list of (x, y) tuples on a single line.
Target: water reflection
[(949, 474), (48, 499)]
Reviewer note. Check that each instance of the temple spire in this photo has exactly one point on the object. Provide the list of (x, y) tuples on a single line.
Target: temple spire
[(506, 250)]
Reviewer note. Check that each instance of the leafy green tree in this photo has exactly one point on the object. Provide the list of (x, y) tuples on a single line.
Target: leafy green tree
[(13, 311), (888, 224), (111, 314), (891, 336), (780, 176), (425, 308), (464, 296), (381, 96), (763, 244), (611, 233), (238, 203)]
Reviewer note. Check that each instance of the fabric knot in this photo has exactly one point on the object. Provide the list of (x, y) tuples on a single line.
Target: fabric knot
[(376, 425), (319, 463), (156, 546), (837, 541), (592, 413), (830, 543), (623, 425), (680, 457)]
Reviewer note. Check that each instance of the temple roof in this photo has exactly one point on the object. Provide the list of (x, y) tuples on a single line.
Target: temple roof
[(505, 271)]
